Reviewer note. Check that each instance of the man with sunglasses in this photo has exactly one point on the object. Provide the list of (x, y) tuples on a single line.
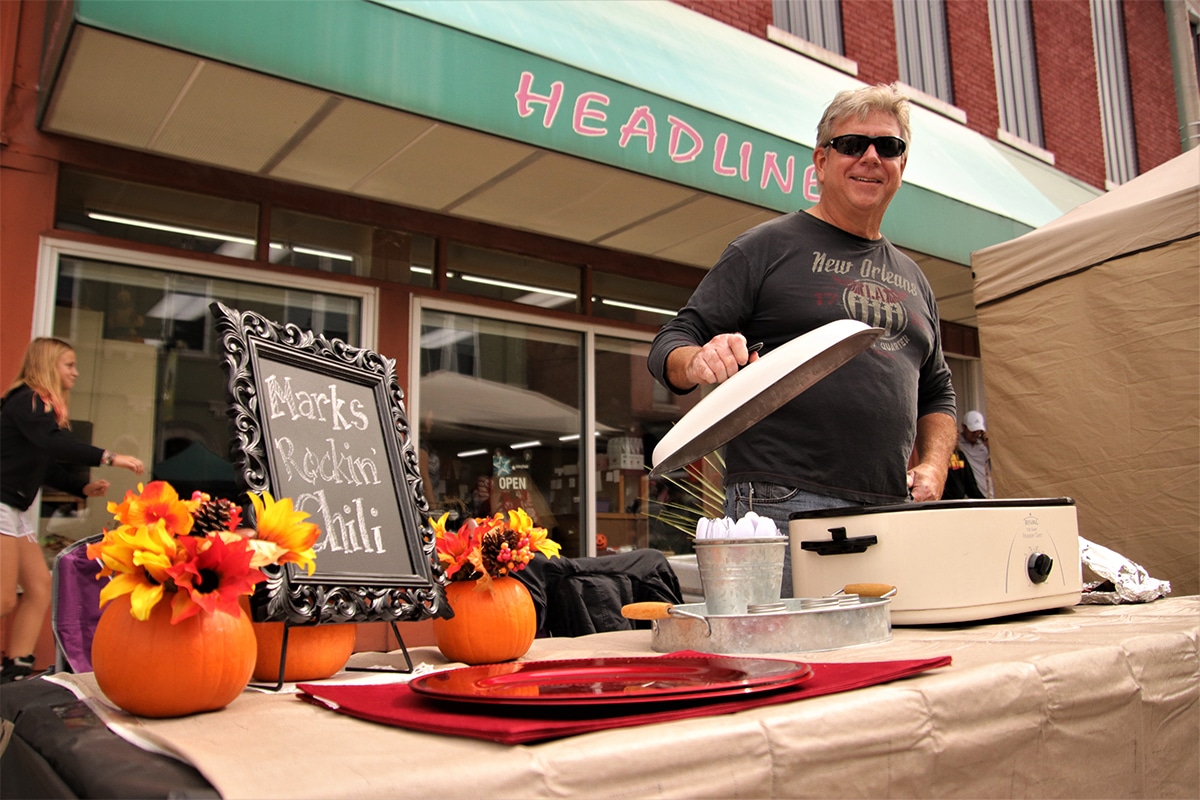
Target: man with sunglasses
[(881, 428)]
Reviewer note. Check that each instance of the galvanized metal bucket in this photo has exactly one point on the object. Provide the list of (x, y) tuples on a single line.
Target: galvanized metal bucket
[(739, 573)]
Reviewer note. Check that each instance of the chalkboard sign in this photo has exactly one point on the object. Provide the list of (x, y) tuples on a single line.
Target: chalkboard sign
[(323, 423)]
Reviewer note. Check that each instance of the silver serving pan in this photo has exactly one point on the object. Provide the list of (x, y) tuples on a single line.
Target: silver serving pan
[(794, 625)]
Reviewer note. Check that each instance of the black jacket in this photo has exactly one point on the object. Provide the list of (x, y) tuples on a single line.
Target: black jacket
[(578, 596), (960, 479), (33, 449)]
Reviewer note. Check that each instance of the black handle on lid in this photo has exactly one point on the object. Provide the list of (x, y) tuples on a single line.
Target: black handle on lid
[(840, 543)]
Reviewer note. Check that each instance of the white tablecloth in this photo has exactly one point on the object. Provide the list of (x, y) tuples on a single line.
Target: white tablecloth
[(1094, 701)]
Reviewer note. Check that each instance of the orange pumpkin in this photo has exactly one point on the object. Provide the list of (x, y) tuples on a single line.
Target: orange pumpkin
[(488, 626), (156, 669), (314, 651)]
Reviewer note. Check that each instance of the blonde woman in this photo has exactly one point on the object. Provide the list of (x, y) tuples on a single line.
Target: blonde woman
[(34, 446)]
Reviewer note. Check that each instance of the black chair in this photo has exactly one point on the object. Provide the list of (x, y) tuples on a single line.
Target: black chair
[(578, 596)]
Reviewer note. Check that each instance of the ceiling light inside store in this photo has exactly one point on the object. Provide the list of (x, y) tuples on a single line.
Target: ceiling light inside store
[(636, 307), (470, 453), (159, 226), (220, 237), (180, 307), (308, 251), (541, 300), (525, 445), (521, 286), (444, 337), (539, 296)]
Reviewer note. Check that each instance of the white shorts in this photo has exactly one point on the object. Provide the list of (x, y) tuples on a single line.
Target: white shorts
[(14, 522)]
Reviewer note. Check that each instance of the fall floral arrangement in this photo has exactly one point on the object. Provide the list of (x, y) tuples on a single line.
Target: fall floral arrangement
[(196, 550), (484, 548)]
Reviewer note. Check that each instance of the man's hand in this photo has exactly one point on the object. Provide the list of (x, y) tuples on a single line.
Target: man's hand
[(926, 482), (95, 489), (715, 362), (936, 435)]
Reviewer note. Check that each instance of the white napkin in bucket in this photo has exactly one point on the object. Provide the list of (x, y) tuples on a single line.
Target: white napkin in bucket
[(751, 526)]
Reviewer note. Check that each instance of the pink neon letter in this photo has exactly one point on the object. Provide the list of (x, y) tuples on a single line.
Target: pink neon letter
[(771, 169), (719, 156), (582, 112), (744, 151), (641, 123), (526, 98), (679, 127), (812, 190)]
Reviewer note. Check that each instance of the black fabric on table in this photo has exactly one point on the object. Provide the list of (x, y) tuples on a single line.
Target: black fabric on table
[(578, 596), (59, 748)]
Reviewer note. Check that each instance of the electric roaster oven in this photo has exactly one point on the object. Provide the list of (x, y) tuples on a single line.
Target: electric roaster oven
[(950, 561)]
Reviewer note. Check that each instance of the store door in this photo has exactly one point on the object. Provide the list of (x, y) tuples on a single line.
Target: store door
[(503, 406)]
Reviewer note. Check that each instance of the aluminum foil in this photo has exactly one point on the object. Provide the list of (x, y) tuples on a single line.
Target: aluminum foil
[(1124, 581)]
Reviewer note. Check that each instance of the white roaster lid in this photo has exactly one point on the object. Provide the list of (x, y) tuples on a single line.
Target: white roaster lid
[(760, 388)]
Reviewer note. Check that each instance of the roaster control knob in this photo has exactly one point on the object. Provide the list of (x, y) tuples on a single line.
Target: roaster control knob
[(1039, 567)]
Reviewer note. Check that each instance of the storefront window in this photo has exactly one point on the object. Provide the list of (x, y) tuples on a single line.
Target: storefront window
[(151, 382), (204, 224), (500, 419), (517, 279), (501, 407), (633, 300), (154, 215), (345, 248), (633, 413)]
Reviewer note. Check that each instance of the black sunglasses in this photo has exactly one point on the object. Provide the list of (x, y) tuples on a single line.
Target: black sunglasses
[(855, 144)]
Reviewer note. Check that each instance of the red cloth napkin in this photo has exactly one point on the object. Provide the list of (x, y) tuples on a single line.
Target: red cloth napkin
[(397, 705)]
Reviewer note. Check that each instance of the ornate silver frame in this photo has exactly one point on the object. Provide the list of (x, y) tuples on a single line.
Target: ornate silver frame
[(249, 341)]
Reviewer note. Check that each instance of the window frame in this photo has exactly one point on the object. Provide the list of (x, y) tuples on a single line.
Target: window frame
[(1018, 92), (813, 21), (1116, 98), (923, 47), (51, 249), (420, 303)]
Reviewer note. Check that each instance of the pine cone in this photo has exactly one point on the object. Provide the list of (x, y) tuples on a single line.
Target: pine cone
[(496, 550), (213, 516)]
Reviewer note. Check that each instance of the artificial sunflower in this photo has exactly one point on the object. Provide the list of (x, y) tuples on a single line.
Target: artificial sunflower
[(484, 548), (457, 551), (190, 550), (281, 534), (157, 500), (213, 576), (139, 559)]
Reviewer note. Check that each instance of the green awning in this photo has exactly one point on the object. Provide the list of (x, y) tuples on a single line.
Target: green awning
[(643, 85)]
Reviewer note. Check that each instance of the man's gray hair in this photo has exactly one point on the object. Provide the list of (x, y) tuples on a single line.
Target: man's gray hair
[(858, 103)]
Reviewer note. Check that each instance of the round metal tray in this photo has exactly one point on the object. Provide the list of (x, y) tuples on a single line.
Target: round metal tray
[(800, 625)]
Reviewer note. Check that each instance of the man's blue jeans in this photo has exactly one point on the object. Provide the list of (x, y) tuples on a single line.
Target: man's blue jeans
[(777, 502)]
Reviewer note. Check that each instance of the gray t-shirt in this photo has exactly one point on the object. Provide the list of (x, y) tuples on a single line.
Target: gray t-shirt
[(850, 435)]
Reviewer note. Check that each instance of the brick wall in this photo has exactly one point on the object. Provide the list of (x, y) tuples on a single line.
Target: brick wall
[(1155, 116), (1062, 33), (1065, 60), (869, 37), (973, 72), (751, 16)]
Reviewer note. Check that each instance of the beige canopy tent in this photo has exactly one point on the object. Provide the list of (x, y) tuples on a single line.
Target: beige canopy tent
[(1089, 329)]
